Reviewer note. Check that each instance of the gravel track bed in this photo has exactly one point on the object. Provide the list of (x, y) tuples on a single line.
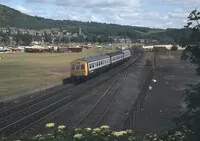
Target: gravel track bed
[(164, 101), (120, 110)]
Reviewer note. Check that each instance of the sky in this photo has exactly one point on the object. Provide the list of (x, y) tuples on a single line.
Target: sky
[(147, 13)]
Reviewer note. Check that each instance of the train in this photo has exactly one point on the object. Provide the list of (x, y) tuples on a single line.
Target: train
[(89, 67)]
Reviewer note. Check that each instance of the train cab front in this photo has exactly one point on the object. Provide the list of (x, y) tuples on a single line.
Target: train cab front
[(79, 71)]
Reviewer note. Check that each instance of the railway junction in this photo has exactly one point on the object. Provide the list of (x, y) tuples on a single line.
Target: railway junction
[(120, 98)]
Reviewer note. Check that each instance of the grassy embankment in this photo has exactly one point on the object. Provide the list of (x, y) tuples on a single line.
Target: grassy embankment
[(25, 72), (28, 71)]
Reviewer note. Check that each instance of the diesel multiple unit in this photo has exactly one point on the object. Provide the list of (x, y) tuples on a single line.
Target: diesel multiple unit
[(93, 65)]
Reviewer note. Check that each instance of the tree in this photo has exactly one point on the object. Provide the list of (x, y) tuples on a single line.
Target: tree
[(80, 38), (5, 39), (174, 48), (190, 118), (37, 38), (17, 38), (26, 39), (65, 39), (47, 38)]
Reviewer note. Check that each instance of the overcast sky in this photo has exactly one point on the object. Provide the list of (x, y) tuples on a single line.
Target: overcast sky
[(148, 13)]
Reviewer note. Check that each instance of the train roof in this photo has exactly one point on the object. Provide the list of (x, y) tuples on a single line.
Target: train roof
[(125, 50), (115, 53), (94, 58)]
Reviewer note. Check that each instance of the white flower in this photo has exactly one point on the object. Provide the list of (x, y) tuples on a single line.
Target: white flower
[(150, 88), (78, 136), (154, 80), (88, 129), (61, 126), (50, 125), (117, 134), (96, 129), (77, 129), (129, 131), (104, 127)]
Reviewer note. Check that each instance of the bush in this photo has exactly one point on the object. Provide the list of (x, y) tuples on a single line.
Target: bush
[(103, 133), (174, 48)]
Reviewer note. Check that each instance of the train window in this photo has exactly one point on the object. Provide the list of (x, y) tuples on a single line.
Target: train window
[(96, 64), (73, 67), (92, 65), (77, 67), (82, 67)]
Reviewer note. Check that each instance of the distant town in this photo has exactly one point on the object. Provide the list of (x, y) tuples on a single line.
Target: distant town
[(56, 40), (64, 36)]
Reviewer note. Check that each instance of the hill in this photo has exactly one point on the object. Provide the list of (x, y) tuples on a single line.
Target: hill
[(13, 18)]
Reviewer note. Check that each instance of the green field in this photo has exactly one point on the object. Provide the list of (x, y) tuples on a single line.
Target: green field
[(24, 72)]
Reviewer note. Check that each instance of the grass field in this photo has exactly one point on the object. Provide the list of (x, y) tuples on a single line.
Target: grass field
[(29, 71)]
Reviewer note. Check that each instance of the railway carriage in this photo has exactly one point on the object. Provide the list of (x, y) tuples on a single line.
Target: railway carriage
[(127, 54), (116, 58), (87, 67)]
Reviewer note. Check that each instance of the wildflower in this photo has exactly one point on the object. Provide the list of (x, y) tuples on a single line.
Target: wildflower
[(50, 125), (78, 136), (123, 132), (154, 80), (78, 129), (104, 127), (96, 129), (61, 127), (119, 133), (155, 139), (88, 129), (129, 131), (150, 88)]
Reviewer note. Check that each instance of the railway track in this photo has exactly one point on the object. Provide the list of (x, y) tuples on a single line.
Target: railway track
[(96, 114), (22, 116), (135, 111), (27, 116), (41, 96)]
